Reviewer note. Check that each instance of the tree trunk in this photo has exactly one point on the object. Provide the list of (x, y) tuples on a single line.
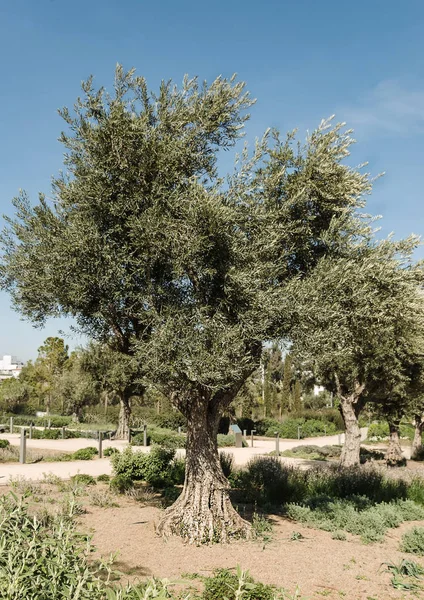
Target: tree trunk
[(417, 444), (124, 418), (350, 409), (394, 456), (203, 512)]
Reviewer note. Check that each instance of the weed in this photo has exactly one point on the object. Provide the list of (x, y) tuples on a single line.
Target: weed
[(261, 527), (83, 479), (102, 498)]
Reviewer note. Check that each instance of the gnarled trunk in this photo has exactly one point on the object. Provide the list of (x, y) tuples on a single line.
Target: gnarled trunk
[(122, 432), (350, 409), (203, 512), (394, 455), (417, 444)]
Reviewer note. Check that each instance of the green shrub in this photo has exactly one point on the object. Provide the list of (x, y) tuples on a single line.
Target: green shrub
[(228, 441), (83, 479), (224, 584), (167, 438), (159, 468), (339, 535), (43, 559), (291, 428), (4, 443), (170, 420), (161, 437), (416, 490), (84, 453), (121, 483), (104, 478), (227, 463), (109, 451), (268, 481), (413, 541), (129, 463), (356, 515)]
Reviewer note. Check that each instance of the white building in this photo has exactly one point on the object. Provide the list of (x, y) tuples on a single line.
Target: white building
[(10, 366)]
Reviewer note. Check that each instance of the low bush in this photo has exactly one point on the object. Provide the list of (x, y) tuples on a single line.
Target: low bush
[(379, 430), (121, 483), (228, 441), (357, 515), (227, 463), (303, 428), (104, 478), (266, 480), (83, 479), (4, 443), (159, 468), (413, 541), (109, 451), (84, 453), (170, 420), (162, 437), (226, 584)]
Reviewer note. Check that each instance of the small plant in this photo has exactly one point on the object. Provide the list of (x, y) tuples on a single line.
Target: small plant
[(84, 453), (120, 483), (224, 584), (4, 443), (261, 527), (103, 478), (110, 451), (413, 541), (296, 536), (102, 498), (141, 494), (339, 535), (83, 479)]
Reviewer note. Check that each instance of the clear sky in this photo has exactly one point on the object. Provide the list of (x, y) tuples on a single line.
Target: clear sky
[(302, 60)]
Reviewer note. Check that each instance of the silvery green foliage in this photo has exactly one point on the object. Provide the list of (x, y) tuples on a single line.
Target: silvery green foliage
[(150, 251), (47, 559), (359, 320)]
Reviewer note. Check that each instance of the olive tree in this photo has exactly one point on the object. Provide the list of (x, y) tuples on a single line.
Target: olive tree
[(155, 255), (358, 321)]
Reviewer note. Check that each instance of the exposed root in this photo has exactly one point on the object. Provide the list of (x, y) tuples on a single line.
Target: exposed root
[(201, 515)]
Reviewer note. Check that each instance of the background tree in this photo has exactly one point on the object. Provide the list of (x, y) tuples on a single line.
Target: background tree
[(49, 366), (116, 374), (152, 255), (14, 394), (355, 318), (297, 397), (286, 395)]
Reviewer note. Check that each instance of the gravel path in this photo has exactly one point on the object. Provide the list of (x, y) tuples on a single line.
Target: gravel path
[(97, 467)]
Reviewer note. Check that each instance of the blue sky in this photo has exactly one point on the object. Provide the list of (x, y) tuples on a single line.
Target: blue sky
[(303, 61)]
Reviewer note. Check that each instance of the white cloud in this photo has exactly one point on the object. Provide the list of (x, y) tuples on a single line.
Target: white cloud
[(388, 108)]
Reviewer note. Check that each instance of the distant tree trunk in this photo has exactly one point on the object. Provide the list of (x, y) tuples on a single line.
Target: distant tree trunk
[(203, 512), (394, 456), (417, 444), (124, 417), (350, 408)]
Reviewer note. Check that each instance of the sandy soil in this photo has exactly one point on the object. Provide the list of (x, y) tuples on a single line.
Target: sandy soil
[(320, 566)]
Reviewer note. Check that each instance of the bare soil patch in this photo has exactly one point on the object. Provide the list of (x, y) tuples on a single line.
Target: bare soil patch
[(319, 565)]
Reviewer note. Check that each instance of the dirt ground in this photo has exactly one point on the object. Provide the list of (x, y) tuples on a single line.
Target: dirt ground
[(318, 565)]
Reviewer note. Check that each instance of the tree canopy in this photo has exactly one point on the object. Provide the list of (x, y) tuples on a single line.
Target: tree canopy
[(157, 256)]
